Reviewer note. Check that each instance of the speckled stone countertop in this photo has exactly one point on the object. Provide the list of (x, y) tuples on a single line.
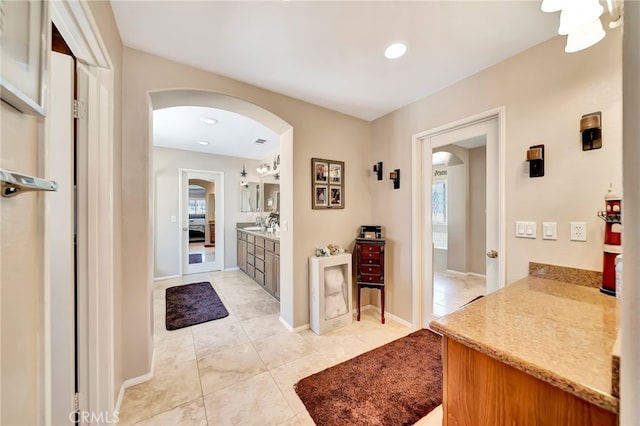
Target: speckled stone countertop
[(557, 332), (261, 233)]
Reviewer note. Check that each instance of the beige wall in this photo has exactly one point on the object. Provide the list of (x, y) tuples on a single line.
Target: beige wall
[(317, 132), (166, 164), (477, 210), (545, 91)]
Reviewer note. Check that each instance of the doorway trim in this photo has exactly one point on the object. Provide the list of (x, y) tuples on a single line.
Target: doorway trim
[(421, 273), (96, 349), (183, 179)]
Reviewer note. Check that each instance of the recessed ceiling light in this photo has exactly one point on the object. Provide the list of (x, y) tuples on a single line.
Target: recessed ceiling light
[(208, 120), (395, 50), (203, 142)]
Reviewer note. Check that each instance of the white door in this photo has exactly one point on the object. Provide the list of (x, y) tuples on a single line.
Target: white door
[(196, 257), (58, 237), (495, 264)]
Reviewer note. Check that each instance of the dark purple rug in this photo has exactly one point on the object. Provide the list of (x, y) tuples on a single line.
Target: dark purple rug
[(195, 258), (192, 304), (395, 384)]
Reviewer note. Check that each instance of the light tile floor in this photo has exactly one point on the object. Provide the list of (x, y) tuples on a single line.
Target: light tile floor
[(452, 290), (208, 253), (240, 370)]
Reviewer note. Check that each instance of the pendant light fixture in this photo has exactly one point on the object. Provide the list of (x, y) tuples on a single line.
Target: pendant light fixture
[(580, 20)]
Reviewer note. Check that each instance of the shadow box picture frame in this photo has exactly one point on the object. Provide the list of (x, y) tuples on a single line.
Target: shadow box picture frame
[(327, 184)]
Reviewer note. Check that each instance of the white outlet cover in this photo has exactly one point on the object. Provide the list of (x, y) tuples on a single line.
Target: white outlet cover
[(578, 231)]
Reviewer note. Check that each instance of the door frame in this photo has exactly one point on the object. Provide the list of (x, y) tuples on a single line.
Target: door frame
[(96, 350), (422, 237), (183, 190)]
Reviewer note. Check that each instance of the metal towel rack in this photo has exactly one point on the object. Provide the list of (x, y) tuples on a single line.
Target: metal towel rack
[(15, 183)]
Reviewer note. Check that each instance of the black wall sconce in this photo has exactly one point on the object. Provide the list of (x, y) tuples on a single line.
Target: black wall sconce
[(591, 129), (377, 168), (395, 177), (535, 157)]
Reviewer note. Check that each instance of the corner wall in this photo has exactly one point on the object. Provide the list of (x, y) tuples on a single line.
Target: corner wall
[(545, 92), (317, 132)]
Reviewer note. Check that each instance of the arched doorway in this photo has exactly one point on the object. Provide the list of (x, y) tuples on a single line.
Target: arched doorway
[(189, 97)]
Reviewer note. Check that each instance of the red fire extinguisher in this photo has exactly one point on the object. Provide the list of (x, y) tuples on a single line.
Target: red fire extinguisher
[(612, 216)]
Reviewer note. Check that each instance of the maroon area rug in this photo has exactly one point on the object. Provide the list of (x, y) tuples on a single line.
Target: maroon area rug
[(395, 384), (192, 304)]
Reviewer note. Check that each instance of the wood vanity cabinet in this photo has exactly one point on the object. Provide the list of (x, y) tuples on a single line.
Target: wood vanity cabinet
[(242, 251), (480, 390), (259, 258)]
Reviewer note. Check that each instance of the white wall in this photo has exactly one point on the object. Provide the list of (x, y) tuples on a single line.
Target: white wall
[(545, 91), (166, 163)]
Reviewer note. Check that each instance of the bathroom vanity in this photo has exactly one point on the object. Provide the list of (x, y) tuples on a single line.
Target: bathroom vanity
[(259, 258), (538, 351)]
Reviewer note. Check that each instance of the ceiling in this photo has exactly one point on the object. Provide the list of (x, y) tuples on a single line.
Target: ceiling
[(330, 53)]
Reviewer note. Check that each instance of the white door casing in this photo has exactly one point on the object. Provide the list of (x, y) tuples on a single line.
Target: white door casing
[(95, 209), (491, 124), (218, 179)]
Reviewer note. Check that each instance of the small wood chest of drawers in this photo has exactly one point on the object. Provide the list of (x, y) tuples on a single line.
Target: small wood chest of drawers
[(370, 267)]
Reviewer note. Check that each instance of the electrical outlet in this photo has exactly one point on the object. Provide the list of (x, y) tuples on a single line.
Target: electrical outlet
[(578, 231)]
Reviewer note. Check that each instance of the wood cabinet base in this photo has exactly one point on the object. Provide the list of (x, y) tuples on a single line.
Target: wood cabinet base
[(479, 390)]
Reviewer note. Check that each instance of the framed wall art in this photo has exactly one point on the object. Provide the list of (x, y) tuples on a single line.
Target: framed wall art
[(327, 184), (24, 34)]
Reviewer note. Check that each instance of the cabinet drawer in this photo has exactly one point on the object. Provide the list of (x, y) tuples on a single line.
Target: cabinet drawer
[(259, 242), (251, 260), (371, 248), (373, 279), (259, 265), (277, 248), (370, 269), (370, 258), (251, 271), (259, 252), (251, 249), (241, 236), (250, 238), (269, 245), (259, 277)]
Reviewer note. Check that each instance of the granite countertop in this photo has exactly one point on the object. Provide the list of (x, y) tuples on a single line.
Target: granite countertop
[(557, 332), (262, 233)]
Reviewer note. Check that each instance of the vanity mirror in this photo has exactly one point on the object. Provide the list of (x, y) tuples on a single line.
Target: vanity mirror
[(250, 197)]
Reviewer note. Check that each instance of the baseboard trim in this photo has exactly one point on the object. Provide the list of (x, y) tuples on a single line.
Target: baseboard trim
[(232, 269), (168, 277), (292, 329), (472, 274), (388, 315), (135, 381)]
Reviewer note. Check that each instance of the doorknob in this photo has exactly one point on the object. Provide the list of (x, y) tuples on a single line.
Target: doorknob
[(492, 254), (186, 229)]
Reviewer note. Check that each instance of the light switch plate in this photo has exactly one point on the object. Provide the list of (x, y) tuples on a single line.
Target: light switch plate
[(549, 231), (526, 229)]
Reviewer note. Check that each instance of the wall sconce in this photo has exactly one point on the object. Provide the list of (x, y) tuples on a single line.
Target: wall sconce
[(535, 157), (377, 168), (590, 127), (395, 177), (243, 173)]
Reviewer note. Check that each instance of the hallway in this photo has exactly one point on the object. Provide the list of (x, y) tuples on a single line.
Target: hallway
[(241, 369)]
